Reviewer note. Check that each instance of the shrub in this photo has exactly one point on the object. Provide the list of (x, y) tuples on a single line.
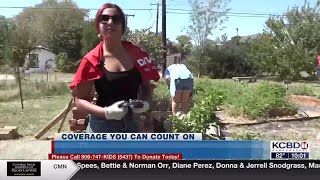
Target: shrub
[(161, 100)]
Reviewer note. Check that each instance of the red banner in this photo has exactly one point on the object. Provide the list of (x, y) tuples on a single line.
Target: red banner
[(115, 157)]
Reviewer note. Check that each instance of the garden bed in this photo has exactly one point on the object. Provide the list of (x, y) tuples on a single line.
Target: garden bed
[(228, 104)]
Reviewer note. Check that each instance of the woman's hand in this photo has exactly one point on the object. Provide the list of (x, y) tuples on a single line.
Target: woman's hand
[(115, 112)]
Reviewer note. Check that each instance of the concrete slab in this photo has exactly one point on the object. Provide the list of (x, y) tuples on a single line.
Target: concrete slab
[(25, 149)]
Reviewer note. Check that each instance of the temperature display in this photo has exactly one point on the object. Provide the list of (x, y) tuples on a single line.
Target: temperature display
[(290, 155)]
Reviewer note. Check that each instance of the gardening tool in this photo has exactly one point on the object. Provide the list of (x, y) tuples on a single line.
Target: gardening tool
[(130, 105), (159, 126)]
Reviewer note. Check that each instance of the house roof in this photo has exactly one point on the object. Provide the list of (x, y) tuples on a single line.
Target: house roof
[(250, 37), (41, 47)]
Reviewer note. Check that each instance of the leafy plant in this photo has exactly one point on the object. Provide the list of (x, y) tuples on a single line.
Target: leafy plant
[(246, 135), (200, 117), (301, 90), (256, 101), (161, 100)]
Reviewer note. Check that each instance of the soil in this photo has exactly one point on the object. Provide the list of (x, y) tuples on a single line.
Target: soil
[(305, 124)]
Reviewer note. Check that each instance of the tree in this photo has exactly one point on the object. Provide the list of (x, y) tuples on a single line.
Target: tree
[(184, 44), (89, 37), (149, 42), (18, 44), (57, 25), (205, 18), (290, 43), (172, 47), (3, 38)]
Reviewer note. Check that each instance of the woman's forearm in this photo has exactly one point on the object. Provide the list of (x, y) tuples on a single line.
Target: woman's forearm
[(146, 92), (89, 108)]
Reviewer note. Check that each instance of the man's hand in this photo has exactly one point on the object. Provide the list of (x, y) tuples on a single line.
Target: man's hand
[(115, 112)]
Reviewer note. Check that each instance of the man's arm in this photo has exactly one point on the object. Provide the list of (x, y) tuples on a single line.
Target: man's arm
[(167, 78)]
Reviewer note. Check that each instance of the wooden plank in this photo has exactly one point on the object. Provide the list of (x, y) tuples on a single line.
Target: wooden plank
[(250, 79), (54, 121), (65, 116)]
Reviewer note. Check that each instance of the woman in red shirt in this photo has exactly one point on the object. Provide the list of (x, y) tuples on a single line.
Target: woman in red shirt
[(118, 71)]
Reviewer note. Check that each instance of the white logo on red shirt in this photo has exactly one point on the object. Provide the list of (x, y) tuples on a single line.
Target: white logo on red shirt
[(144, 61)]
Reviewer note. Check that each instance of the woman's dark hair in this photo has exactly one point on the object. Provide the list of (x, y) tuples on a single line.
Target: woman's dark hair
[(109, 5)]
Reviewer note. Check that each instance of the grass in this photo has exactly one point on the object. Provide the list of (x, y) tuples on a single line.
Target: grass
[(9, 90), (35, 115), (43, 99), (52, 77)]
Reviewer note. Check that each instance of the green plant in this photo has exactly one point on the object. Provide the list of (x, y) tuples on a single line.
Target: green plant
[(200, 116), (246, 135), (301, 89), (256, 101), (65, 64), (161, 100)]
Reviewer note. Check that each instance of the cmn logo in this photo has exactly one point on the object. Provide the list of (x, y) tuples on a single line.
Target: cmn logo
[(144, 61)]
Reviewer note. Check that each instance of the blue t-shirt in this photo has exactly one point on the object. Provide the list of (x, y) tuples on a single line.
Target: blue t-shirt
[(166, 72)]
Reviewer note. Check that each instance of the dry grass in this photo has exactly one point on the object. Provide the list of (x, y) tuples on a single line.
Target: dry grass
[(52, 77), (43, 100), (35, 115), (35, 86), (287, 131)]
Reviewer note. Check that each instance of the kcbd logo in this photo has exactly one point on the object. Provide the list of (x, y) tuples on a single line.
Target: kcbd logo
[(289, 146)]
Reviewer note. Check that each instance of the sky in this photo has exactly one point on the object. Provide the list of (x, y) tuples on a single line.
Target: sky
[(178, 18)]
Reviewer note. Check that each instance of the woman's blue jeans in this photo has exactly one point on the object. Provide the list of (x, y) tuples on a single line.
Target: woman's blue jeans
[(126, 125)]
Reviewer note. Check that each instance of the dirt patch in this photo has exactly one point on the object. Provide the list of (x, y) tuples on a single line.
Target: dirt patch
[(304, 100), (25, 149), (307, 108), (304, 125), (298, 130)]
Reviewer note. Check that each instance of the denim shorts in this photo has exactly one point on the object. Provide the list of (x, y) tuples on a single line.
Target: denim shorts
[(102, 125), (184, 84)]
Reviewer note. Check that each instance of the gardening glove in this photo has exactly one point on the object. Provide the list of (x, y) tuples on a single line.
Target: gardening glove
[(115, 112), (142, 109)]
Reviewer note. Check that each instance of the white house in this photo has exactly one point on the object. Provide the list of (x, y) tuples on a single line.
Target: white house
[(39, 60)]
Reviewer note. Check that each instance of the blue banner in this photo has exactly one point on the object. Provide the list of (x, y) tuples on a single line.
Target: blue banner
[(190, 150)]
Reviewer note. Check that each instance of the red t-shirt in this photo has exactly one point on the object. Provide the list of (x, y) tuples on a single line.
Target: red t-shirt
[(319, 60), (89, 67)]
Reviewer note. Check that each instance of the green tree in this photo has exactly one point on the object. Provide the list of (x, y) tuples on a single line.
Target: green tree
[(290, 44), (184, 44), (205, 18), (89, 37), (57, 25), (3, 38), (149, 42), (18, 44)]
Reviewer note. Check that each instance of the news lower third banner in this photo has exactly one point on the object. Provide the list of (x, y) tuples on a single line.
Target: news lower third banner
[(170, 146), (67, 169)]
